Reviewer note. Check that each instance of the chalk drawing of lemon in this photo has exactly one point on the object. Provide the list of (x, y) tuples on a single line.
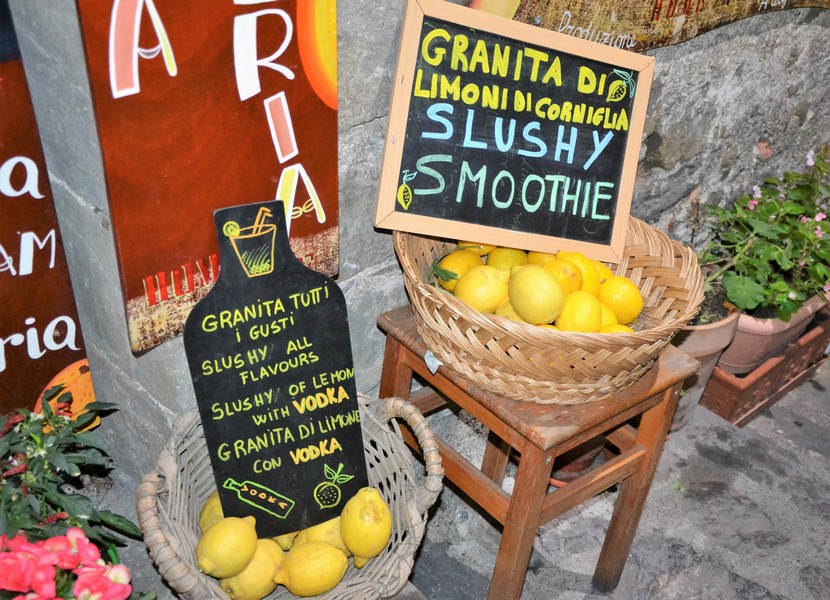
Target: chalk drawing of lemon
[(404, 195), (231, 229), (618, 88)]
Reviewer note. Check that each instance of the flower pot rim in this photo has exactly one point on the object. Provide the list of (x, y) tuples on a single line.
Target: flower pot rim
[(732, 316), (774, 324)]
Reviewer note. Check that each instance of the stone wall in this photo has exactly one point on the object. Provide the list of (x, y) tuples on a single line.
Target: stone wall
[(727, 108)]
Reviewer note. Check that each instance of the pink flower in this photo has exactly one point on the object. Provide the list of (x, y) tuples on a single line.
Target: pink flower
[(61, 553), (820, 216), (819, 232), (16, 570), (94, 584), (827, 287), (118, 573), (19, 543), (752, 204), (88, 553), (756, 192), (805, 219), (43, 581), (811, 158)]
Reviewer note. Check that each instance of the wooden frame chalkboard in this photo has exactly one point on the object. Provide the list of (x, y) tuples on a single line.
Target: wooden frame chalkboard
[(507, 133)]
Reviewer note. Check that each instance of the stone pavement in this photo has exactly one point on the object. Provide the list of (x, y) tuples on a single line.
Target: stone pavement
[(733, 514)]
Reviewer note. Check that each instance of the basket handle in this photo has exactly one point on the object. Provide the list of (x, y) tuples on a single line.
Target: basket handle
[(163, 550), (427, 494)]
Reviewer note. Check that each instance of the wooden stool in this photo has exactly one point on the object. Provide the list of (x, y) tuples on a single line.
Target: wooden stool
[(539, 433)]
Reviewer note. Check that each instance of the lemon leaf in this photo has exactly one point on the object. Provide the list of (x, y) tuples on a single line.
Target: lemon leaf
[(442, 274)]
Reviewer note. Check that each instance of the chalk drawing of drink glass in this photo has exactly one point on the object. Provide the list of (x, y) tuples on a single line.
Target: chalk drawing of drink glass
[(254, 245)]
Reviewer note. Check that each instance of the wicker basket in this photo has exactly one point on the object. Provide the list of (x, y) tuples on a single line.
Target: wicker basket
[(169, 501), (545, 365)]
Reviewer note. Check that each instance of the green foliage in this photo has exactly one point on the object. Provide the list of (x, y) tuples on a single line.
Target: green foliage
[(42, 458), (772, 248)]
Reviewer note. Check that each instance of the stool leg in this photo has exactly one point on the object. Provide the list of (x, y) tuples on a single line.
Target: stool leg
[(496, 457), (654, 425), (521, 524), (396, 375)]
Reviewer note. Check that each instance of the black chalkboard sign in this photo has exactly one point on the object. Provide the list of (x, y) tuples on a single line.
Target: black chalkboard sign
[(271, 362), (507, 133)]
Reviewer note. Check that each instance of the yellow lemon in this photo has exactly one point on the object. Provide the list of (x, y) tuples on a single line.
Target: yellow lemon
[(590, 277), (581, 312), (286, 540), (608, 316), (616, 329), (328, 532), (623, 297), (480, 249), (227, 547), (311, 569), (483, 288), (566, 273), (506, 310), (603, 270), (506, 258), (535, 294), (539, 258), (211, 512), (449, 269), (257, 579), (366, 525)]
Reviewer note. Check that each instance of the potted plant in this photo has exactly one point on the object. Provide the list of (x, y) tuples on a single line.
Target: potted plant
[(704, 340), (769, 253), (54, 542)]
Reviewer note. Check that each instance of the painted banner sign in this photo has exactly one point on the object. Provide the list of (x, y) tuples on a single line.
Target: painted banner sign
[(40, 337), (202, 105), (271, 362), (506, 132), (635, 26)]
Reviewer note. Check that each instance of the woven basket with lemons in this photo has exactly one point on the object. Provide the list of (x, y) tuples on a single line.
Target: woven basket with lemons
[(169, 501), (549, 366)]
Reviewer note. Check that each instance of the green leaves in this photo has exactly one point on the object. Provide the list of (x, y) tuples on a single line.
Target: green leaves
[(42, 459), (743, 292), (772, 249)]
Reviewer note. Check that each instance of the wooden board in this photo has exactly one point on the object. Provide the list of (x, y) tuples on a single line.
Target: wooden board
[(271, 362), (40, 334), (510, 134), (203, 105)]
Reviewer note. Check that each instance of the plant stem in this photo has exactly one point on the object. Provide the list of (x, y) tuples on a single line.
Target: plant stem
[(731, 262)]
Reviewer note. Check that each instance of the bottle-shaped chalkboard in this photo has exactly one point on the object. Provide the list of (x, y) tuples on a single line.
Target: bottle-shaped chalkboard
[(271, 361)]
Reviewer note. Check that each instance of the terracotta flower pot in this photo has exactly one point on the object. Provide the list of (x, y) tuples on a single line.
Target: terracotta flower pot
[(705, 343), (756, 340)]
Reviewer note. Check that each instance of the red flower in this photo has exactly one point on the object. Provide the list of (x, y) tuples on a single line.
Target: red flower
[(11, 423)]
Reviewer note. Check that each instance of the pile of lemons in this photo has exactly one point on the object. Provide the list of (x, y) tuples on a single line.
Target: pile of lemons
[(308, 562), (564, 290)]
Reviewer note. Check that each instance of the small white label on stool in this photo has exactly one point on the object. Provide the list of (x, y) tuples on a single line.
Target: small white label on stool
[(433, 364)]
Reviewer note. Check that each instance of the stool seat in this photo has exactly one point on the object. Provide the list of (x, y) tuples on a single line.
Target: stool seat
[(539, 433)]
